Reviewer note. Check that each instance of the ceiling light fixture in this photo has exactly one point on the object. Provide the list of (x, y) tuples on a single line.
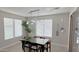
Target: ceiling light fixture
[(56, 8), (32, 11)]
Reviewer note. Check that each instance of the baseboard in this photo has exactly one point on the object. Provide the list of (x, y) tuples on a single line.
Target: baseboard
[(57, 44)]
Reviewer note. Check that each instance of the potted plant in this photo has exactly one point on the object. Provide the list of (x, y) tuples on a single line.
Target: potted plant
[(27, 29)]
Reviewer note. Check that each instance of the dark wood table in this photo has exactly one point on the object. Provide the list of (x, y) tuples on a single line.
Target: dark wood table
[(35, 41)]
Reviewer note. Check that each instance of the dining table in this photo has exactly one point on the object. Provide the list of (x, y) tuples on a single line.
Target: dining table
[(35, 41)]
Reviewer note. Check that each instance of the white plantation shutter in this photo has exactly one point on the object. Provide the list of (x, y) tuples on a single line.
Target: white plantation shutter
[(8, 28), (44, 28), (18, 28), (12, 28)]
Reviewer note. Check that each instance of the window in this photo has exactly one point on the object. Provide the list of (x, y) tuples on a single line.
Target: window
[(44, 28), (8, 28), (18, 28), (12, 28)]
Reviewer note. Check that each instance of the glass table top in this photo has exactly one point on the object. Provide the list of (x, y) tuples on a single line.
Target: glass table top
[(38, 40)]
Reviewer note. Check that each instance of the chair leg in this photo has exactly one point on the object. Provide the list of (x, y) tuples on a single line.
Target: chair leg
[(50, 46), (30, 47), (37, 48), (42, 48), (47, 47)]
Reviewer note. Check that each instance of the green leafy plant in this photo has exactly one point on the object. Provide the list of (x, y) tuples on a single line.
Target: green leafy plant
[(27, 29), (26, 26)]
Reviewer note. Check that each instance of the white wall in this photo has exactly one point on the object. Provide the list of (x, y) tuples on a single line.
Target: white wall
[(59, 43), (3, 42)]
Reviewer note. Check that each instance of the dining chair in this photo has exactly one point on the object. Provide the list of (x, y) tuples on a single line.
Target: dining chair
[(48, 44), (33, 47)]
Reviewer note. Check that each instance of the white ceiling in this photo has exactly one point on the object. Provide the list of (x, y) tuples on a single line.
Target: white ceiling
[(25, 11)]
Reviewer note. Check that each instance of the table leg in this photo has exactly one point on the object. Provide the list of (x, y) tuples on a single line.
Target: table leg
[(50, 46), (23, 48)]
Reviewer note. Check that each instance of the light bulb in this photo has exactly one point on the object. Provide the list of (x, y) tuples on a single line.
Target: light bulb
[(27, 22)]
